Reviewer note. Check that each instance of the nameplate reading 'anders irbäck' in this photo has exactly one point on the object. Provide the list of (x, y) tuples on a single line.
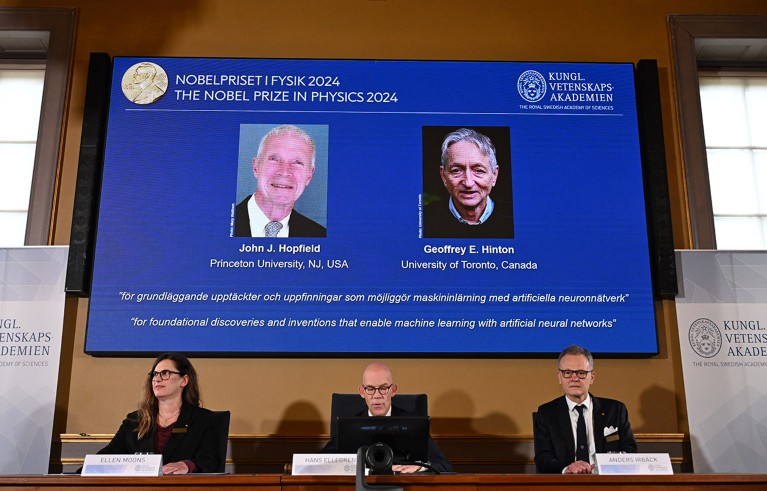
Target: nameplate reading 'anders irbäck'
[(324, 464), (633, 463), (123, 465)]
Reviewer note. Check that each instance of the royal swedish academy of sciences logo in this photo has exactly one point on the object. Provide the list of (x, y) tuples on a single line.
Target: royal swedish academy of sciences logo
[(705, 338), (531, 86)]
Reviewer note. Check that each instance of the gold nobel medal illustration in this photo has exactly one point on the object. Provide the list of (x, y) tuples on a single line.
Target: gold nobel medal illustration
[(144, 83)]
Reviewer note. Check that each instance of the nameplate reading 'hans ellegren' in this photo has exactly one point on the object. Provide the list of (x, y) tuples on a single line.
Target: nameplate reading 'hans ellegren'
[(324, 464)]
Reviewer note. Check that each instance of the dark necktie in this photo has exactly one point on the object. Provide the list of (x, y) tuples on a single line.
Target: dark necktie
[(272, 229), (581, 444)]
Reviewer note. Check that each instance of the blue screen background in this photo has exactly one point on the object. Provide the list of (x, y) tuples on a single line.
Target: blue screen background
[(170, 183)]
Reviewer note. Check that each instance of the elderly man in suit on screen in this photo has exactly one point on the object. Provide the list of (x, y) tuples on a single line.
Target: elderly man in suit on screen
[(283, 167)]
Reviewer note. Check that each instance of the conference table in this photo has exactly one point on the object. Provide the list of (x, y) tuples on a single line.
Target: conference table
[(452, 482)]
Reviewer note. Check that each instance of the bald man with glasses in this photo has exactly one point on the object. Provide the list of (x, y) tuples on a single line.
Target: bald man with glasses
[(377, 389), (569, 430)]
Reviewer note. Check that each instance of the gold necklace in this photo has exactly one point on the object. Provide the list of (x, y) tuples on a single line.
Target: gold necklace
[(172, 416)]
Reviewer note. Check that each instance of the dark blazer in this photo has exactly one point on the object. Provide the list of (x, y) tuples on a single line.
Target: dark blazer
[(300, 226), (553, 433), (193, 438), (437, 458)]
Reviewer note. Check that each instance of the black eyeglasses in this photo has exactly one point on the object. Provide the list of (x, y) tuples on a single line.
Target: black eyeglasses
[(383, 390), (580, 373), (164, 374)]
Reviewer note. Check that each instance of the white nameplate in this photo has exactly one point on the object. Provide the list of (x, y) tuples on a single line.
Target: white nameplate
[(123, 465), (324, 464), (633, 463)]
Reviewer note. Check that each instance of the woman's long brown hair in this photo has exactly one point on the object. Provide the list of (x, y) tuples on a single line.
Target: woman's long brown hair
[(148, 407)]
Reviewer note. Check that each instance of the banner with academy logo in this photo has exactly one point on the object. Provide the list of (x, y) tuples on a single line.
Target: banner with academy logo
[(31, 319), (722, 320)]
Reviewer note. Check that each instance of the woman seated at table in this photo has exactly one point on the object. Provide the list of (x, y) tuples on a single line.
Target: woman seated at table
[(170, 421)]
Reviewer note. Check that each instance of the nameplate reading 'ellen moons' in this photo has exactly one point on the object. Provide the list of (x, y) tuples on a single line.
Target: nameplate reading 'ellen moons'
[(123, 465), (633, 463), (324, 464)]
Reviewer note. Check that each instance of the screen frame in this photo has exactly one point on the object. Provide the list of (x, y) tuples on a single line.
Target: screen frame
[(651, 226)]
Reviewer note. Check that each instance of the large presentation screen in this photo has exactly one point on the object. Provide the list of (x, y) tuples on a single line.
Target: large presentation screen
[(283, 207)]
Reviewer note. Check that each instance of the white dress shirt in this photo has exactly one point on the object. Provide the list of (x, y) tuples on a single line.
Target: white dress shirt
[(589, 418), (258, 220)]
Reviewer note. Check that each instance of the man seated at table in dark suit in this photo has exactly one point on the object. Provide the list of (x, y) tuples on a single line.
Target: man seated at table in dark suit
[(377, 389), (569, 430)]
